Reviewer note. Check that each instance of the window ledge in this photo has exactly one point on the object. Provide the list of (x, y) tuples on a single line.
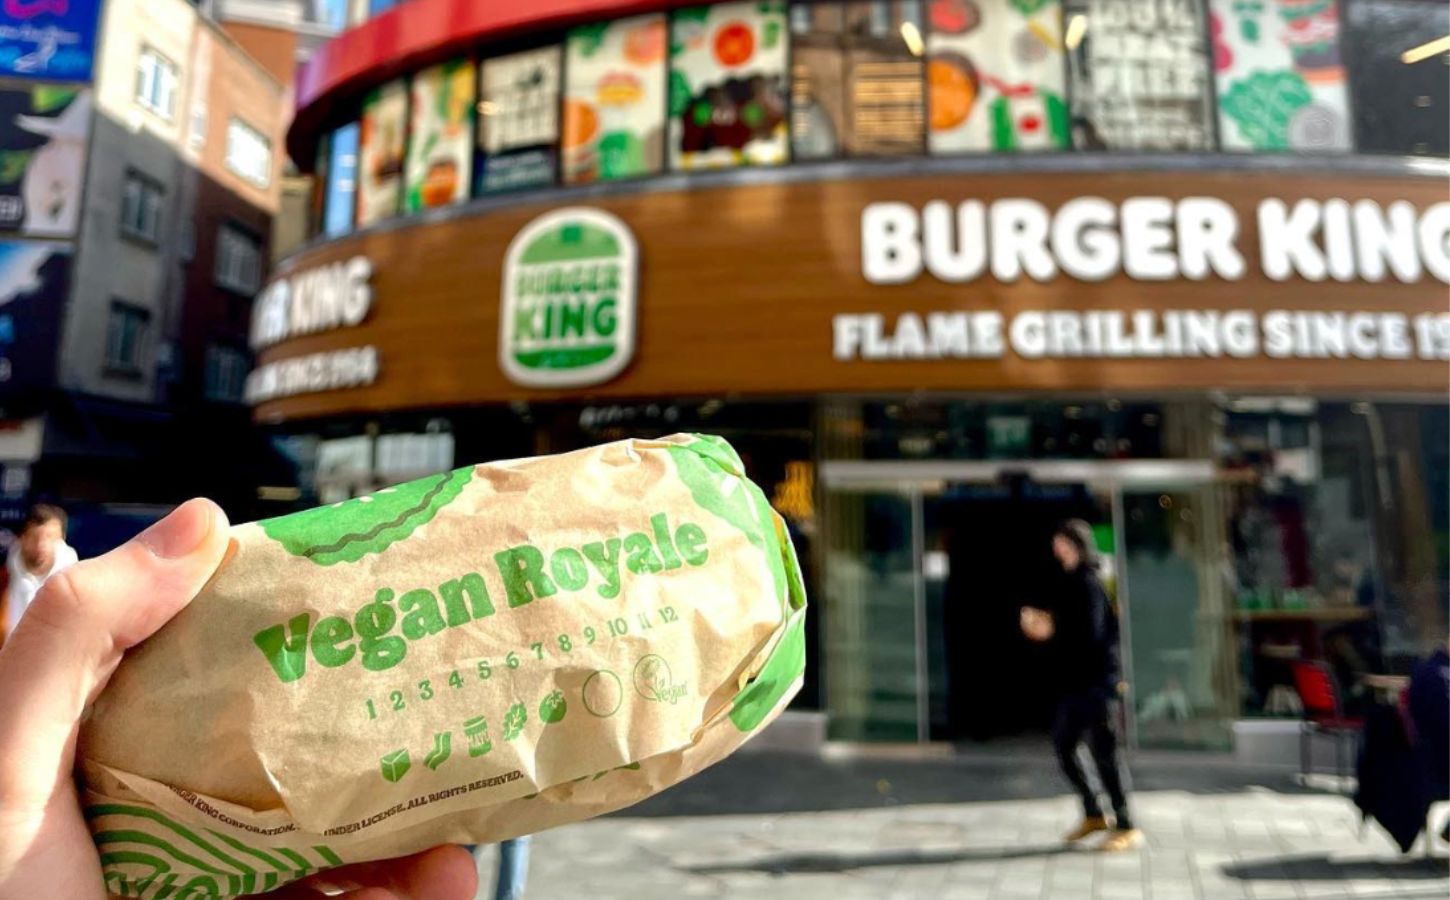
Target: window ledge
[(140, 239)]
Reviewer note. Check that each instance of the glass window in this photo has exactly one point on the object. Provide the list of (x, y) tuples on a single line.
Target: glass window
[(141, 208), (996, 77), (156, 83), (856, 79), (196, 138), (378, 7), (1401, 90), (341, 178), (380, 154), (238, 260), (1281, 83), (614, 100), (519, 120), (125, 334), (440, 143), (1139, 73), (727, 86), (249, 154), (226, 373)]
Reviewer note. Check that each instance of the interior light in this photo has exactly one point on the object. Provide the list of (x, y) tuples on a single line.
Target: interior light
[(1076, 28), (1426, 50), (487, 107), (912, 35)]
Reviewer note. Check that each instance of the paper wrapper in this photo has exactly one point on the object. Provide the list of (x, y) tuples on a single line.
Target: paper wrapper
[(466, 658)]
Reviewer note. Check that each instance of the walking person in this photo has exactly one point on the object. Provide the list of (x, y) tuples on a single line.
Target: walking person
[(39, 552), (1082, 631)]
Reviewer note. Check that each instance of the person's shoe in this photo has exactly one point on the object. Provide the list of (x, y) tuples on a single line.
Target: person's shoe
[(1090, 826), (1122, 839)]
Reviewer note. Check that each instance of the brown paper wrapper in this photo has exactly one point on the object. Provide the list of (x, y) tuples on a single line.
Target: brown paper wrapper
[(466, 658)]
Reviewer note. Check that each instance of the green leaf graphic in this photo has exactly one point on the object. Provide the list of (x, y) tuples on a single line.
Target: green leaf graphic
[(513, 721)]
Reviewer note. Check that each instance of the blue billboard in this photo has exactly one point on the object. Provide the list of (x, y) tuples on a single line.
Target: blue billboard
[(50, 39)]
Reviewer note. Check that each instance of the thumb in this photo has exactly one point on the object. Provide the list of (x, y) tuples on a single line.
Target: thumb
[(71, 639)]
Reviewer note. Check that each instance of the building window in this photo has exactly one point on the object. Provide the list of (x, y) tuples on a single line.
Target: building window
[(141, 208), (1394, 49), (249, 154), (856, 79), (156, 83), (238, 260), (125, 333), (226, 373)]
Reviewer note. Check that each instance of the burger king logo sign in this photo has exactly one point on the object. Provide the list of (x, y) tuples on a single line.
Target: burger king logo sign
[(569, 285)]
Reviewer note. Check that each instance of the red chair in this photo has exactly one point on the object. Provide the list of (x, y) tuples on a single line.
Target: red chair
[(1323, 714)]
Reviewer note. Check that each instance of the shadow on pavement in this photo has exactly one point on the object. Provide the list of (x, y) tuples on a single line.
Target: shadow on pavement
[(819, 863), (766, 782), (1319, 867)]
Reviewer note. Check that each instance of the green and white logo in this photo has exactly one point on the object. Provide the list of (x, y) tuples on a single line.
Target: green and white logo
[(569, 284)]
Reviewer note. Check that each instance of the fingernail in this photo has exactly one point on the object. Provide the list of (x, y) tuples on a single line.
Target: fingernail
[(182, 531)]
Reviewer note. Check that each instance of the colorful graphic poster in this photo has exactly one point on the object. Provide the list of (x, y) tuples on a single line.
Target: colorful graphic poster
[(340, 202), (440, 145), (1139, 75), (856, 79), (51, 39), (727, 86), (996, 76), (614, 100), (43, 134), (380, 154), (1281, 84), (518, 128), (34, 284)]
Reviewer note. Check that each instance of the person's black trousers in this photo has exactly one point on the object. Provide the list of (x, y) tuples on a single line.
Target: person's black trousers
[(1089, 717)]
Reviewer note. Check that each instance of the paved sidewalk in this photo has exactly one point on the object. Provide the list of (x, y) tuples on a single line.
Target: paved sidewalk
[(781, 826)]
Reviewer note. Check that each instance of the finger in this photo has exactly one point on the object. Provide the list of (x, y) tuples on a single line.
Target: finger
[(304, 891), (443, 873), (71, 638)]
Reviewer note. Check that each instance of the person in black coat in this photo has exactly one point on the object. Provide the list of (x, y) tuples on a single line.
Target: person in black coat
[(1082, 630)]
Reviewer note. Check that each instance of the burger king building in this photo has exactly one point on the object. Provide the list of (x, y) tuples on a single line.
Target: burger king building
[(946, 274)]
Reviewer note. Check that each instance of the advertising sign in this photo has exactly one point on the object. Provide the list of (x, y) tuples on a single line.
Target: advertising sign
[(727, 86), (440, 148), (568, 300), (43, 133), (519, 125), (380, 155), (614, 100), (50, 39), (34, 282), (340, 202), (1140, 76), (1281, 84), (995, 73)]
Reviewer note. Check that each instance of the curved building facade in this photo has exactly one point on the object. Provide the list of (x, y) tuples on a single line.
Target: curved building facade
[(946, 273)]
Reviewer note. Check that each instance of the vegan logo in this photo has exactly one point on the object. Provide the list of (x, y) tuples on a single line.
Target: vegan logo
[(569, 286), (654, 681)]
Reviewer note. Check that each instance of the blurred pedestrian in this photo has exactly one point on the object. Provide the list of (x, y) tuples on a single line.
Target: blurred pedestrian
[(1082, 630), (39, 552)]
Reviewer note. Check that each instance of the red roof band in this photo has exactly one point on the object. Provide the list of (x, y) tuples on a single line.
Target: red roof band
[(417, 33)]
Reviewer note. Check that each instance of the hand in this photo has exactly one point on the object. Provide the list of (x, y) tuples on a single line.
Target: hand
[(60, 657), (1037, 624)]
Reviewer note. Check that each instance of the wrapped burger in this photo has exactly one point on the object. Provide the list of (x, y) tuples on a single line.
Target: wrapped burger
[(465, 658)]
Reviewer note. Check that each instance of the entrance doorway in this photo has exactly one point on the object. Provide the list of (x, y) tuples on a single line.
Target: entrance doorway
[(987, 554), (927, 565)]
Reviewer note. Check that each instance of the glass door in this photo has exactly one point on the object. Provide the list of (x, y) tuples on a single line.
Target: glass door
[(1177, 635), (873, 666)]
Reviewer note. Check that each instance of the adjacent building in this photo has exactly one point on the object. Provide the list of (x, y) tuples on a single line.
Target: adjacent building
[(144, 154)]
